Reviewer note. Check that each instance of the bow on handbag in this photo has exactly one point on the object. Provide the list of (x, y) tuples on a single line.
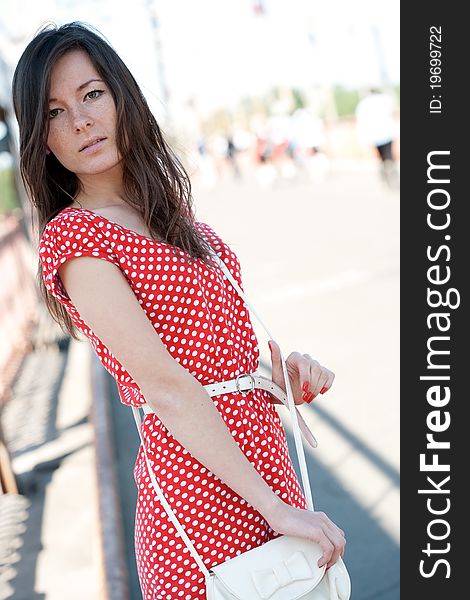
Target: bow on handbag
[(269, 581)]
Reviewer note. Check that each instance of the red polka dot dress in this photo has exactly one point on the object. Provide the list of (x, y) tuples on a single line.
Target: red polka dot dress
[(205, 326)]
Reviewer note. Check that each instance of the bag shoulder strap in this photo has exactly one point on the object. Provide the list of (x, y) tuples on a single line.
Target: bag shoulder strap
[(293, 412)]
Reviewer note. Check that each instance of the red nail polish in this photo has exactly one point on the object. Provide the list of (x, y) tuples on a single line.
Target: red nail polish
[(323, 390), (310, 397), (305, 386)]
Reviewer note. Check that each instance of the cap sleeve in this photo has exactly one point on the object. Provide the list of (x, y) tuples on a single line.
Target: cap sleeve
[(68, 236)]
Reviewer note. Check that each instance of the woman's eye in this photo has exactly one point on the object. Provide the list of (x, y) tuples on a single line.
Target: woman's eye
[(94, 94), (53, 113)]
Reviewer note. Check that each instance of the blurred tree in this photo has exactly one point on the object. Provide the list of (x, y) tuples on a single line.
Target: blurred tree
[(298, 97), (346, 101)]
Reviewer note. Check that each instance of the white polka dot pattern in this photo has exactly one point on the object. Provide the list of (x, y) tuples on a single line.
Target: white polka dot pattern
[(205, 326)]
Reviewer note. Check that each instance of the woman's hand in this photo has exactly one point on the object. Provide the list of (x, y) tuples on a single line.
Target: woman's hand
[(311, 525), (307, 377)]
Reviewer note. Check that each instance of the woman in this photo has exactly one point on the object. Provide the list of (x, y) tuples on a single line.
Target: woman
[(106, 185)]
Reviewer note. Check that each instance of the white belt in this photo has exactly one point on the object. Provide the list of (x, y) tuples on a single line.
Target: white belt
[(245, 383)]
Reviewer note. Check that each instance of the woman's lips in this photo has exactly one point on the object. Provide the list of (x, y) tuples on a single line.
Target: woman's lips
[(94, 147)]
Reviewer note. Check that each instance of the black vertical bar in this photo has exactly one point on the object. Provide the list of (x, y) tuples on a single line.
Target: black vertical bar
[(434, 254)]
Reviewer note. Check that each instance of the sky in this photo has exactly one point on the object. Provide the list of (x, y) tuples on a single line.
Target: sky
[(216, 51)]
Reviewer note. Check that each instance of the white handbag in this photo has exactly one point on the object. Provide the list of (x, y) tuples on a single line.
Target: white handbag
[(284, 568)]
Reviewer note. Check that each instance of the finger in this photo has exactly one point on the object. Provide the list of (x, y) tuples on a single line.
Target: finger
[(335, 533), (325, 544), (303, 366), (276, 363), (310, 377), (317, 377), (340, 555), (322, 382), (338, 542), (329, 382), (334, 557)]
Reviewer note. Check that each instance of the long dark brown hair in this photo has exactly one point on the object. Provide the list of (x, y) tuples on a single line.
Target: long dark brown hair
[(154, 179)]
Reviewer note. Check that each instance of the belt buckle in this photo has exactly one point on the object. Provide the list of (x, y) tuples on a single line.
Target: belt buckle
[(237, 382)]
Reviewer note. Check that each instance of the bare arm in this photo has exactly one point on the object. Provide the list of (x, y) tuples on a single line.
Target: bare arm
[(105, 301), (108, 305)]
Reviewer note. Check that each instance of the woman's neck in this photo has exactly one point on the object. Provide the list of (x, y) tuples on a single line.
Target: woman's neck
[(100, 191)]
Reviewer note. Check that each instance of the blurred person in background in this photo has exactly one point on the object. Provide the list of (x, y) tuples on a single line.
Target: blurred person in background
[(376, 127), (205, 163), (231, 156), (308, 139), (106, 185), (265, 173), (217, 147), (279, 132)]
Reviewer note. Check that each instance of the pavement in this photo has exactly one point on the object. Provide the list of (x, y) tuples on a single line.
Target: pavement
[(320, 262), (49, 541)]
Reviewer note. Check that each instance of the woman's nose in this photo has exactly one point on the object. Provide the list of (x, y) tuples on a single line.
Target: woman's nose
[(81, 121)]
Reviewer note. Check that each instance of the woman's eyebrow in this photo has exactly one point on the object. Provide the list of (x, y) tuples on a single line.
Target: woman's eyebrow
[(80, 87)]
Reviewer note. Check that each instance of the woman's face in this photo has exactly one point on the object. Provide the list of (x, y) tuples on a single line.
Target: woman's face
[(82, 117)]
